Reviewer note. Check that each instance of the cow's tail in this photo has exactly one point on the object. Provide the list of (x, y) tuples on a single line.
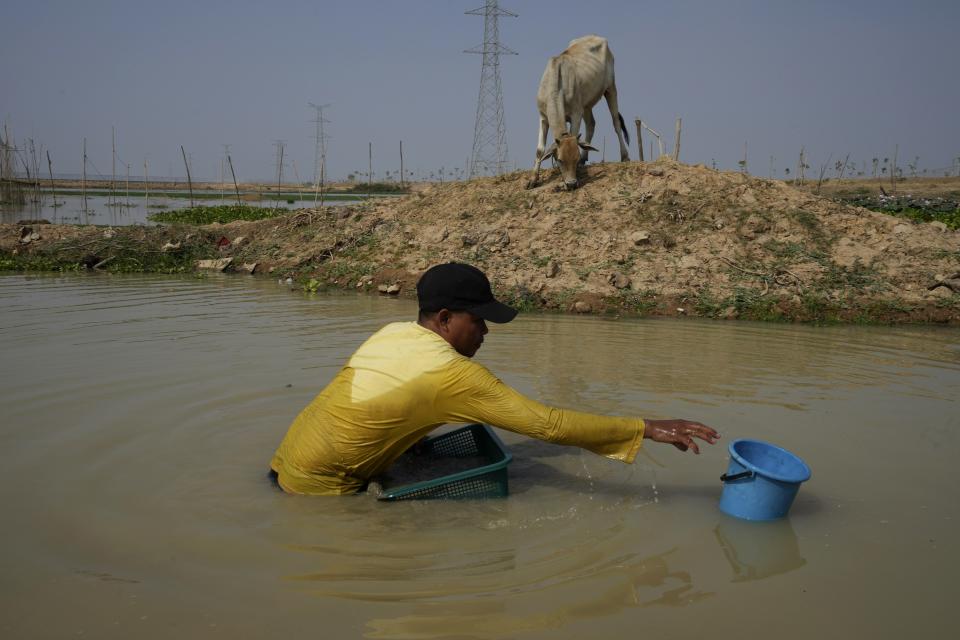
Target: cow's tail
[(623, 127)]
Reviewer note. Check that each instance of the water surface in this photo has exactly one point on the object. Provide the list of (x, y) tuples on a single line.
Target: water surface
[(139, 414), (121, 210)]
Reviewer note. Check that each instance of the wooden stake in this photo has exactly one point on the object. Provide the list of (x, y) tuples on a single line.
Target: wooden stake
[(369, 166), (676, 143), (636, 121), (297, 176), (146, 185), (823, 169), (401, 164), (189, 179), (83, 181), (323, 177), (893, 173), (236, 188), (113, 170), (655, 135), (53, 185), (844, 167), (279, 175), (36, 169)]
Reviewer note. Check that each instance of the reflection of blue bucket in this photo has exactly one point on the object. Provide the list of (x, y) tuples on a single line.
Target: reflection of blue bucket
[(758, 550), (761, 481)]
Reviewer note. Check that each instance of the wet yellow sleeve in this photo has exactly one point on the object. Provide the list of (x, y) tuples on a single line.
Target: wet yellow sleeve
[(471, 393)]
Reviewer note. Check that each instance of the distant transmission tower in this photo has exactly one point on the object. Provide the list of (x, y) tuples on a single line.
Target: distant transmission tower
[(320, 149), (489, 156), (279, 144)]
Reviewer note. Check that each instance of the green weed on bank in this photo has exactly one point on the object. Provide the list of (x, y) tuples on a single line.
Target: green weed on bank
[(222, 214)]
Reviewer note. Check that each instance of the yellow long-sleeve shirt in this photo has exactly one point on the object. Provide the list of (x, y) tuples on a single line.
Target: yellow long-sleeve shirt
[(402, 383)]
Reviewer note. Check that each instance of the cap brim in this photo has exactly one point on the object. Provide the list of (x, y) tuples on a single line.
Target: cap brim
[(494, 312)]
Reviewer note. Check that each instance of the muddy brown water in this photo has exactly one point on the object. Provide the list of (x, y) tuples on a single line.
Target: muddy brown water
[(139, 414), (123, 211)]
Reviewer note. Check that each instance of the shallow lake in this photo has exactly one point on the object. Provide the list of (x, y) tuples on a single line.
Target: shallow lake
[(120, 210), (139, 414)]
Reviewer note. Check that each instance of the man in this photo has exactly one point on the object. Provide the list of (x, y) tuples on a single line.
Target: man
[(411, 377)]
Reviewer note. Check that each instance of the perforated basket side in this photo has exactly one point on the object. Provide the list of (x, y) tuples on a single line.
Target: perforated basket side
[(485, 481), (492, 484), (458, 444)]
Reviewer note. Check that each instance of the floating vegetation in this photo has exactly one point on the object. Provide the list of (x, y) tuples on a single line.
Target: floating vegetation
[(376, 187), (945, 210), (209, 215)]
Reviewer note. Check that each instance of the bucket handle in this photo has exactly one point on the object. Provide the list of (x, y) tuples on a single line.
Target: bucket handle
[(736, 476)]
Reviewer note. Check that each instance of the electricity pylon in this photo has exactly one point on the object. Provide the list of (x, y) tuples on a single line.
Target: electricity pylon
[(489, 156)]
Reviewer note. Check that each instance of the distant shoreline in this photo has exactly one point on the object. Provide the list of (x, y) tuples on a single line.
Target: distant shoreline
[(121, 185), (637, 239)]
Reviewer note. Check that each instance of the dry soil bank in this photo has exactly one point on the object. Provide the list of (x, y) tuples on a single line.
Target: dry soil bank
[(657, 238)]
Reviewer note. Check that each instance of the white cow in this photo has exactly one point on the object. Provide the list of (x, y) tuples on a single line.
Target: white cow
[(572, 83)]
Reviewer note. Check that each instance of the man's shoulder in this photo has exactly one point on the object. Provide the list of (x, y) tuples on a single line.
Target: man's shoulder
[(408, 340)]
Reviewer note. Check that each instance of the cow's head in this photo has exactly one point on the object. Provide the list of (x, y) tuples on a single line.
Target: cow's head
[(566, 150)]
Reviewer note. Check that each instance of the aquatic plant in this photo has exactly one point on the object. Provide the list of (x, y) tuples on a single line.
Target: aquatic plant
[(209, 215)]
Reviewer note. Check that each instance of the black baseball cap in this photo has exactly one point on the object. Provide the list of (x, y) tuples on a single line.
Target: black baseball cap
[(461, 287)]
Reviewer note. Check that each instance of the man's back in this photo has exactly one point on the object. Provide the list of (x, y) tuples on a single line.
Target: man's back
[(378, 405)]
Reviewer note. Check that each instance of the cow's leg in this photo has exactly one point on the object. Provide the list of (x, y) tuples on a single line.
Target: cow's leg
[(541, 147), (611, 96), (590, 124)]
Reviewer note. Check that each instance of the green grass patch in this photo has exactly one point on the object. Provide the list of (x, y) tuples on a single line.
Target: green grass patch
[(949, 218), (857, 276), (10, 262), (377, 187), (814, 229), (221, 214), (520, 298), (641, 303)]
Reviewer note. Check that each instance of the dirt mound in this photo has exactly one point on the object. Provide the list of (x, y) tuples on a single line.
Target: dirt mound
[(647, 238), (643, 236)]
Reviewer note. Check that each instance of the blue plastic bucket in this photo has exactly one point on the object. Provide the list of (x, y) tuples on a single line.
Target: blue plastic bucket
[(761, 481)]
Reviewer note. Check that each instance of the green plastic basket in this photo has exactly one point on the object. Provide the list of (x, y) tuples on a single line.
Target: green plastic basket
[(487, 480)]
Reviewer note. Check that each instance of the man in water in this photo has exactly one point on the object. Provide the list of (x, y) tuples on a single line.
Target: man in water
[(412, 377)]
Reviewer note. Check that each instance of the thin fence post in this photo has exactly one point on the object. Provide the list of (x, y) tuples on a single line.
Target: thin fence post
[(636, 121), (234, 175), (893, 172), (189, 179), (53, 185), (676, 142)]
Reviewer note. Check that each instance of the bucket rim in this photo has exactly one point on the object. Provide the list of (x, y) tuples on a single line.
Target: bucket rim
[(802, 477)]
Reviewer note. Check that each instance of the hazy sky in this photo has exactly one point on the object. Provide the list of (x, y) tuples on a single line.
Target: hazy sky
[(838, 77)]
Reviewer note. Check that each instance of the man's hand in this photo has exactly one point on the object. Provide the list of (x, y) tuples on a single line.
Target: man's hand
[(679, 433)]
